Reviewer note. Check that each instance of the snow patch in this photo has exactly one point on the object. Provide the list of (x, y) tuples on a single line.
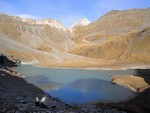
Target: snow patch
[(32, 62), (81, 22)]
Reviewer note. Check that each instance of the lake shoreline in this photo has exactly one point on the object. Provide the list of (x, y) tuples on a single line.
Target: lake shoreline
[(93, 68), (19, 96), (26, 101)]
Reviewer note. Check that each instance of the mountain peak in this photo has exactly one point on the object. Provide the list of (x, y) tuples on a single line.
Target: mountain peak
[(81, 22)]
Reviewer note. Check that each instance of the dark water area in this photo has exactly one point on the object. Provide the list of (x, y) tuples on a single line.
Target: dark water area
[(78, 86)]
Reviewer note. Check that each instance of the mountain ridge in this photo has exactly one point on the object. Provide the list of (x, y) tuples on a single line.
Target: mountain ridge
[(113, 39)]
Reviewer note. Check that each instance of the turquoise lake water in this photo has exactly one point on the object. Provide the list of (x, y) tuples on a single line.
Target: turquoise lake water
[(78, 86)]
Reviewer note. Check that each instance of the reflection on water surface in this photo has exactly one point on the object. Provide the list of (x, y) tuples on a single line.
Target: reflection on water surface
[(78, 85)]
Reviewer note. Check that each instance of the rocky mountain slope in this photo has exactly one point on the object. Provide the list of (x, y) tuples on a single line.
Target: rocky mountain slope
[(42, 34), (134, 47), (114, 24), (28, 38), (41, 43), (118, 36)]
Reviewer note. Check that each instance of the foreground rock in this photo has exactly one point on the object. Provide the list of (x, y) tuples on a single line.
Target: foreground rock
[(135, 83)]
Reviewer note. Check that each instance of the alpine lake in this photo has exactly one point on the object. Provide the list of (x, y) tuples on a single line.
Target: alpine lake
[(78, 86)]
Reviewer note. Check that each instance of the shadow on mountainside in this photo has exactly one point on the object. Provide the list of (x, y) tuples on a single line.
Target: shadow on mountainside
[(8, 62)]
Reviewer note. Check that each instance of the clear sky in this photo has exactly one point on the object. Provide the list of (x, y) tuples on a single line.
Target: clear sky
[(67, 11)]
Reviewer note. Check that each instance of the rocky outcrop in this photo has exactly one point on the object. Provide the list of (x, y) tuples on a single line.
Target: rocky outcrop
[(8, 61), (135, 83), (139, 104)]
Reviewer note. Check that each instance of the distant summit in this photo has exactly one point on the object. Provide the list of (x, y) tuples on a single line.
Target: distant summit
[(81, 22)]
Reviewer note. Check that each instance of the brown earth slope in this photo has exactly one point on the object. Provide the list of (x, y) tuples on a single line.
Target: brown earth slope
[(37, 36), (119, 36), (133, 47), (113, 24)]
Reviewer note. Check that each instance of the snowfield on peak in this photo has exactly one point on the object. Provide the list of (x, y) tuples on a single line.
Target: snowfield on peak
[(81, 22)]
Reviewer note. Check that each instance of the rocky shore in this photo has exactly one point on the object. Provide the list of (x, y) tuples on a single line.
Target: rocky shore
[(18, 96), (135, 83), (139, 82)]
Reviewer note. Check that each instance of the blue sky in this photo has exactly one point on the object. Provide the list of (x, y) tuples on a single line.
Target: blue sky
[(67, 11)]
